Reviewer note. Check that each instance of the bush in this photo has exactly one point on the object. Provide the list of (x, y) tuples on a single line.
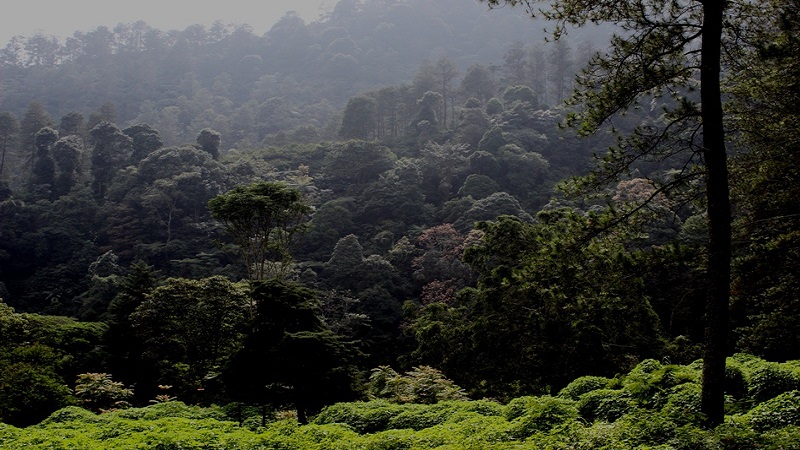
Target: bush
[(649, 382), (582, 385), (767, 380), (604, 404), (531, 414), (683, 404), (363, 417), (778, 412), (71, 414), (172, 409), (418, 417)]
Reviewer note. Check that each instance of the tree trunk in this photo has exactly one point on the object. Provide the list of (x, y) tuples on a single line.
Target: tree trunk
[(719, 217)]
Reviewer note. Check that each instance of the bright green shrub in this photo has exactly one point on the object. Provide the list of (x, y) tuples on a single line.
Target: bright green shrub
[(418, 417), (363, 417), (778, 412), (174, 409), (71, 414), (736, 434), (683, 404), (582, 385), (787, 438), (643, 428), (531, 414), (735, 382), (649, 382), (768, 379), (604, 404), (689, 437)]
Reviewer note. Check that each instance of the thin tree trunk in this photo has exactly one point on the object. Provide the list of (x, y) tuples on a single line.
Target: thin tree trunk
[(719, 217)]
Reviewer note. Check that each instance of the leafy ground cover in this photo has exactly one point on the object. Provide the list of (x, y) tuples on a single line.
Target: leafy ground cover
[(654, 406)]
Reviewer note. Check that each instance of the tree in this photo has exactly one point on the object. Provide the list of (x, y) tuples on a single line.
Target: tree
[(546, 309), (766, 109), (263, 219), (110, 152), (359, 117), (9, 128), (99, 392), (446, 71), (35, 119), (478, 83), (67, 153), (188, 330), (145, 140), (209, 141), (662, 50), (72, 123), (44, 167), (302, 363)]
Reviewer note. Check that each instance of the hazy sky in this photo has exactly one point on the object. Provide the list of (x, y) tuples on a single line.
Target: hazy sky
[(63, 17)]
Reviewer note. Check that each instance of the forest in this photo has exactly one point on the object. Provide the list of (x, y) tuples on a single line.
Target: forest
[(406, 225)]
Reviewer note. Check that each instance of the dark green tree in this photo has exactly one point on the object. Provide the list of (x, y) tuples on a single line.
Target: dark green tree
[(44, 167), (110, 152), (9, 130), (359, 117), (662, 51), (290, 357), (145, 140), (546, 309), (767, 111), (188, 329), (263, 219), (67, 153), (209, 141)]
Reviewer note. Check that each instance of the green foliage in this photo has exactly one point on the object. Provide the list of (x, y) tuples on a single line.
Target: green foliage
[(188, 330), (366, 417), (99, 392), (605, 405), (776, 412), (600, 419), (264, 219), (766, 380), (423, 384), (582, 385), (531, 414)]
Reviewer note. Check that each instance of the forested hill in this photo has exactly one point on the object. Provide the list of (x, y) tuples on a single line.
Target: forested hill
[(220, 218), (246, 86)]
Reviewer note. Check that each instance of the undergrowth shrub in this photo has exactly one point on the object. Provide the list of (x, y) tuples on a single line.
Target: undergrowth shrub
[(768, 379), (531, 414), (777, 412), (71, 414), (649, 382), (173, 409), (606, 405), (683, 404), (582, 385), (418, 417), (363, 417)]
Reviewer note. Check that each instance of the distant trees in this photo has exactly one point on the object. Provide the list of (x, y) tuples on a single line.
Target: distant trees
[(359, 118), (9, 129)]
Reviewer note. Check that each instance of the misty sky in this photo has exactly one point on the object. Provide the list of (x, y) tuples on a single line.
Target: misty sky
[(61, 18)]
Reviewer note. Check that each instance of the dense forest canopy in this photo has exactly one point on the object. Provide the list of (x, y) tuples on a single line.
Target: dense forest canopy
[(388, 186)]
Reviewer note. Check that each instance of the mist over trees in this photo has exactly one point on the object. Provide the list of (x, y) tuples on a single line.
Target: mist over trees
[(278, 221)]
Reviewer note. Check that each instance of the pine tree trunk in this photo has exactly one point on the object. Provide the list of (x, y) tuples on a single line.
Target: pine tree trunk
[(719, 217)]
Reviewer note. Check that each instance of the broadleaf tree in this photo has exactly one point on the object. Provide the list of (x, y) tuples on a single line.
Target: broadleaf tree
[(662, 52), (263, 219)]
